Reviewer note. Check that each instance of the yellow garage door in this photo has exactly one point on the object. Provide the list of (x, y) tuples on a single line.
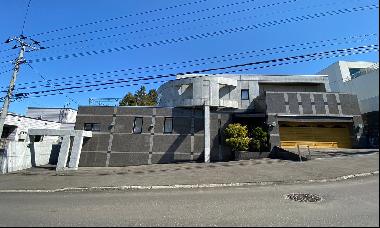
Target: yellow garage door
[(315, 135)]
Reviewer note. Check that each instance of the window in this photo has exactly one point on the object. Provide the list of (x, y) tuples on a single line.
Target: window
[(168, 125), (38, 138), (92, 127), (355, 72), (245, 94), (137, 125)]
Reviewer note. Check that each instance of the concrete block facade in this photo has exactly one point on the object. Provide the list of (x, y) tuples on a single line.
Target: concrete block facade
[(255, 100), (313, 107), (115, 144), (225, 90)]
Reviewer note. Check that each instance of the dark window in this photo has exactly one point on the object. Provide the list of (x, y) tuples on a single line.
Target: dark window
[(92, 127), (137, 125), (38, 138), (355, 72), (245, 94), (168, 125)]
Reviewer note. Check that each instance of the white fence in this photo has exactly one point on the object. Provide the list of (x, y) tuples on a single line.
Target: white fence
[(23, 155)]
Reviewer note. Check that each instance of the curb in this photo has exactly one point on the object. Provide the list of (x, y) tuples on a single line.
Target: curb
[(189, 186)]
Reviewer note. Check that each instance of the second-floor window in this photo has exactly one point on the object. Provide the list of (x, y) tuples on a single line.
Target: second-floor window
[(137, 125), (92, 126), (245, 94)]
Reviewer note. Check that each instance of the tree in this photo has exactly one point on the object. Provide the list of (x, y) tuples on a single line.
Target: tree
[(237, 137), (128, 100), (140, 98), (259, 138)]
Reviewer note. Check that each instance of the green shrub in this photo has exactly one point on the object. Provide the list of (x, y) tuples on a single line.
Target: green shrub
[(237, 137), (259, 139)]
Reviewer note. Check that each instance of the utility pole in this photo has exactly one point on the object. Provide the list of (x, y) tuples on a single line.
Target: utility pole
[(25, 44)]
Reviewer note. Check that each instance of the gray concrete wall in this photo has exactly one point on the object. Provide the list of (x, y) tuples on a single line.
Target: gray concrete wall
[(315, 107), (291, 87), (224, 90), (116, 145)]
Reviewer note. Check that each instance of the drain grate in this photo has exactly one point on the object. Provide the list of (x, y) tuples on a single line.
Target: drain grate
[(303, 197)]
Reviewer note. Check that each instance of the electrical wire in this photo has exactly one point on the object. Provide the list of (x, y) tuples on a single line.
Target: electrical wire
[(318, 54), (205, 75), (44, 78), (171, 18), (26, 14), (183, 22), (122, 17), (191, 63), (205, 35)]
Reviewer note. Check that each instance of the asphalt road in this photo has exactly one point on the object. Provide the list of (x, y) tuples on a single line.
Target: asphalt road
[(345, 203)]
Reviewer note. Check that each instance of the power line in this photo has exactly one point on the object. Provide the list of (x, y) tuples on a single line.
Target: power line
[(172, 17), (165, 26), (197, 62), (205, 35), (121, 17), (318, 54), (231, 71), (180, 23), (44, 78), (26, 14), (194, 62)]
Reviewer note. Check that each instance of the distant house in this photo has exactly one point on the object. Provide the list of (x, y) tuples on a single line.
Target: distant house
[(16, 127), (193, 111), (362, 79), (65, 116)]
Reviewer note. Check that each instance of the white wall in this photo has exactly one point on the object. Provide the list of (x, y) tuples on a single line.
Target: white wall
[(366, 86), (62, 115), (24, 123), (18, 156)]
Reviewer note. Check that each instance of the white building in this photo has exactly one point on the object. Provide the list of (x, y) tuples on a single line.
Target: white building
[(65, 116), (16, 127), (362, 79)]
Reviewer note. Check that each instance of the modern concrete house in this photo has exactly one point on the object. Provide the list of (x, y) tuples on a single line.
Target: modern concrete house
[(362, 79), (193, 111)]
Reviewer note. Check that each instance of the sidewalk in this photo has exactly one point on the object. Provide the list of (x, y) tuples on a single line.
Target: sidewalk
[(250, 171)]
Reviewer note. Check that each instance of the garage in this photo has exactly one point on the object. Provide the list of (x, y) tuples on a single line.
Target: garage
[(315, 135)]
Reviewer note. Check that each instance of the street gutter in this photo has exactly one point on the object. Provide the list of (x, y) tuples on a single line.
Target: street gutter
[(190, 186)]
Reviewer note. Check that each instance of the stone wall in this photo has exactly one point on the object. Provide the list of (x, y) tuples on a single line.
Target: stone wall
[(116, 145)]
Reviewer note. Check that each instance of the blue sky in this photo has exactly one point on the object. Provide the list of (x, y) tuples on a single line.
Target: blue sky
[(44, 16)]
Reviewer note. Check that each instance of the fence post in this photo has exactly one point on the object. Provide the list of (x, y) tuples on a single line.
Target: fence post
[(299, 152)]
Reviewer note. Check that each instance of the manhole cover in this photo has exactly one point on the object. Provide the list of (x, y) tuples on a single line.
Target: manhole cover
[(303, 197)]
